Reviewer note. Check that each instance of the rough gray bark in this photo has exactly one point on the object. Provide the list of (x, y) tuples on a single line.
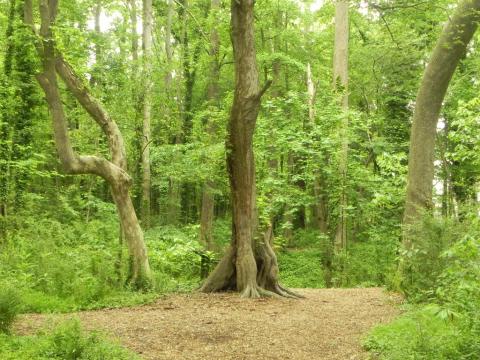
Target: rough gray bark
[(249, 265), (114, 171), (449, 50), (340, 79), (147, 110)]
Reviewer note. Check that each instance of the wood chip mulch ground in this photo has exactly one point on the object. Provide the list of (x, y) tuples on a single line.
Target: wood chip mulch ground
[(328, 324)]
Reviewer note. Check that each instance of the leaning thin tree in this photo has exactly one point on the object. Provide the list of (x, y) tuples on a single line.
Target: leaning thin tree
[(250, 264), (114, 171), (449, 50)]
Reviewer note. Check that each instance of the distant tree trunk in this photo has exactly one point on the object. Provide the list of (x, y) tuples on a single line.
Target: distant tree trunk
[(340, 80), (320, 206), (173, 202), (133, 26), (208, 199), (147, 110), (449, 50), (5, 150), (248, 266), (114, 171), (96, 73), (276, 92)]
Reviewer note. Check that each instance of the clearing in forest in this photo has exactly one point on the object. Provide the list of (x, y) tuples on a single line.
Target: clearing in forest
[(327, 324)]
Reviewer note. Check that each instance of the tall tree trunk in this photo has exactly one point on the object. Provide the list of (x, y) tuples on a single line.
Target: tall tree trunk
[(5, 131), (249, 267), (208, 199), (449, 50), (147, 110), (114, 171), (320, 206), (133, 25), (173, 204), (96, 73), (340, 81)]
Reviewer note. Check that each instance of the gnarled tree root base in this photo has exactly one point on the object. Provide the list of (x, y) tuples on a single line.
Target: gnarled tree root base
[(224, 276)]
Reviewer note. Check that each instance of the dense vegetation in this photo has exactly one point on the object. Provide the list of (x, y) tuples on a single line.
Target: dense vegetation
[(331, 161)]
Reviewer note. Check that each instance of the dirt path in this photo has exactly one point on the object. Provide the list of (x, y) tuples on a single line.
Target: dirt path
[(328, 324)]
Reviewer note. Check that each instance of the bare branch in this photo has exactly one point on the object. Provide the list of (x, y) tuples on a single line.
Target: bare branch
[(94, 109), (264, 89)]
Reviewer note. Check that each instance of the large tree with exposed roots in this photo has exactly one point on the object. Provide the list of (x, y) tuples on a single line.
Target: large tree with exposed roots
[(249, 264)]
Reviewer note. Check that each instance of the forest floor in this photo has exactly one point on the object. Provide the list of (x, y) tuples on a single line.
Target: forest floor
[(327, 324)]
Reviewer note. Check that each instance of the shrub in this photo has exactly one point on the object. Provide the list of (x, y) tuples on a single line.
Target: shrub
[(301, 269), (66, 342), (449, 326), (9, 306), (421, 334)]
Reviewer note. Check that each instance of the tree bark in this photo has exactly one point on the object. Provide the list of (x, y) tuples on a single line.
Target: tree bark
[(449, 50), (147, 111), (248, 266), (340, 80), (114, 170)]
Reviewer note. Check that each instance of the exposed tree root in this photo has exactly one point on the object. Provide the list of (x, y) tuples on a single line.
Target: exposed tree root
[(221, 278), (265, 284)]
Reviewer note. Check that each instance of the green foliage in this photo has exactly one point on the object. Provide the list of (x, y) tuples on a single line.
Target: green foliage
[(9, 306), (423, 263), (66, 342), (174, 256), (58, 268), (449, 326), (301, 269), (370, 263), (421, 334)]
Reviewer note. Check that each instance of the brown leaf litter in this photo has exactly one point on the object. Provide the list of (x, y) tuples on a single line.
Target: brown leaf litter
[(328, 324)]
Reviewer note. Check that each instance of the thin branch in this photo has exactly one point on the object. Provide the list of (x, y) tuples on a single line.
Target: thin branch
[(264, 89)]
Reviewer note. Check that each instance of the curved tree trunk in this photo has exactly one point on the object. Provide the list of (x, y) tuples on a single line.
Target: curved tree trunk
[(449, 50), (114, 170), (248, 266)]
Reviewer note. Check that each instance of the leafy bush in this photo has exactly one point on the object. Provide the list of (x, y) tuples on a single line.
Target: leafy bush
[(67, 342), (421, 334), (449, 326), (9, 306), (423, 263), (301, 269), (366, 263)]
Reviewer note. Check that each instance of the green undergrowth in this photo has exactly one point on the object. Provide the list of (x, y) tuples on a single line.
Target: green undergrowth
[(422, 333), (441, 278), (366, 262), (55, 267), (301, 268), (67, 341)]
